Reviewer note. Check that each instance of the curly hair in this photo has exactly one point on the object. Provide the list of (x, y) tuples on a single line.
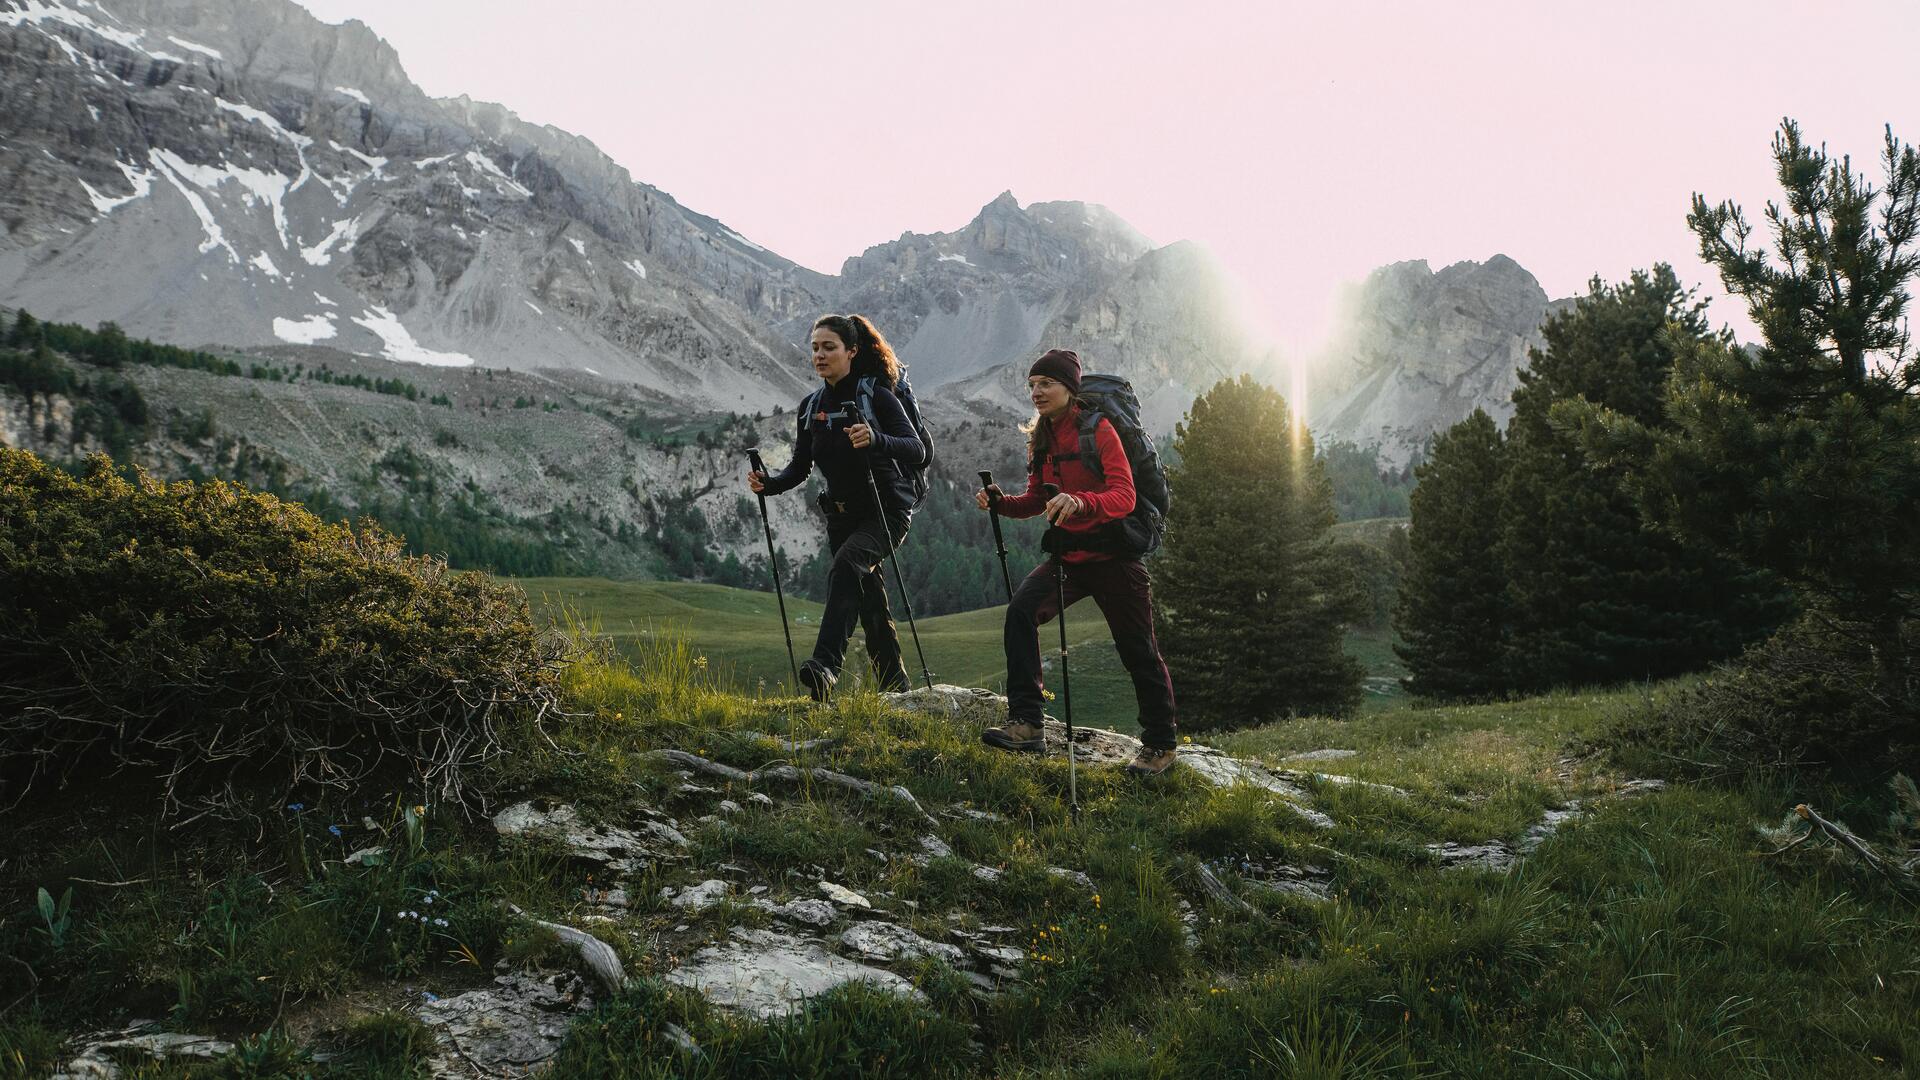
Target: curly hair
[(871, 353)]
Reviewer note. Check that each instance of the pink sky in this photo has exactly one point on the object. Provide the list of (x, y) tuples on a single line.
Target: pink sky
[(1303, 144)]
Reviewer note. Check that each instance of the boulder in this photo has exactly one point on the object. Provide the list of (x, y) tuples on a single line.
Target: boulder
[(764, 974)]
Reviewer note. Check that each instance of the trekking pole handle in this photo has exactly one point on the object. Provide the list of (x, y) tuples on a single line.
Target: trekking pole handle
[(753, 460), (986, 485)]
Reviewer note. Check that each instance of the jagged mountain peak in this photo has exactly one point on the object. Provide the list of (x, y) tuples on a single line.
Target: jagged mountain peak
[(1415, 350)]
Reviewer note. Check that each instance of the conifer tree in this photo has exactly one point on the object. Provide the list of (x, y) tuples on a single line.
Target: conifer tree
[(1254, 600), (1803, 456), (1452, 614), (1595, 596)]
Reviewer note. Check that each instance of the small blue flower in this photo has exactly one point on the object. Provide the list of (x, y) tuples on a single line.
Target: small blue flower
[(334, 829), (296, 807)]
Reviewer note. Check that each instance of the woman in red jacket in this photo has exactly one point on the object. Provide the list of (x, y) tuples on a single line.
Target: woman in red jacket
[(1118, 584)]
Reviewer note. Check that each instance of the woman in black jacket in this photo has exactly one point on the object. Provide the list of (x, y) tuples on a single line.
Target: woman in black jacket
[(851, 428)]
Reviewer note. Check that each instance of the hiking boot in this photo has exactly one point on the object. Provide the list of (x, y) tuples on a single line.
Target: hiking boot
[(1151, 762), (1022, 735), (818, 680)]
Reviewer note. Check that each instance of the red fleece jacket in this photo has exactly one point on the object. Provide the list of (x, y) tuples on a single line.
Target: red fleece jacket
[(1108, 497)]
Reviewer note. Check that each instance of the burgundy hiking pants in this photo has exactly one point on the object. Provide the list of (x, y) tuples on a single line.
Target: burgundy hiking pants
[(1124, 594)]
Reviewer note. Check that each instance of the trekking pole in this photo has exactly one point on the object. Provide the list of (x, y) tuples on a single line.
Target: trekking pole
[(1066, 684), (853, 412), (773, 560), (999, 543)]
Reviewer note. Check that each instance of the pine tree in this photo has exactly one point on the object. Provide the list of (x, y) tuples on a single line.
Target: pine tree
[(1803, 456), (1452, 614), (1595, 596), (1254, 601)]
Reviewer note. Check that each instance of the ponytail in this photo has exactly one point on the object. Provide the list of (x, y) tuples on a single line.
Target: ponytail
[(871, 353)]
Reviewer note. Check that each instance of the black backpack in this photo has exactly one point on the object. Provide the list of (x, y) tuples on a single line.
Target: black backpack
[(916, 474), (1112, 397)]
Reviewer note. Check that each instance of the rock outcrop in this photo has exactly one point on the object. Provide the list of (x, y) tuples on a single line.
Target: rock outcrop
[(1415, 351)]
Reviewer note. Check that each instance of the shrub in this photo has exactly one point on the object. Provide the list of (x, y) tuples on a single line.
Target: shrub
[(1807, 699), (212, 641)]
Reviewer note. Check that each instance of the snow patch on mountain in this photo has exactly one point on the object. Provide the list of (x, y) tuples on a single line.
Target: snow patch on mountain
[(175, 170), (738, 239), (38, 11), (304, 331), (634, 265), (344, 233), (196, 47), (400, 344), (352, 93), (485, 164), (141, 180), (376, 164)]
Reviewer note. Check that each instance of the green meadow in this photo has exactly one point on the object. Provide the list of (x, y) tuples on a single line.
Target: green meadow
[(738, 631)]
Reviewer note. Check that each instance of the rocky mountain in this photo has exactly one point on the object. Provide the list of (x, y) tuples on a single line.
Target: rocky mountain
[(1416, 351), (1168, 321), (955, 304), (239, 172)]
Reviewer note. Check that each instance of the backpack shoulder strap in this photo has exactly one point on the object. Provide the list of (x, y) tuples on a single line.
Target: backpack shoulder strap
[(1089, 435), (808, 406)]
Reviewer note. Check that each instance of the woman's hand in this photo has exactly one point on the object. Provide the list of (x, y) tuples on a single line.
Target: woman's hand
[(984, 498), (1063, 506), (757, 481), (862, 436)]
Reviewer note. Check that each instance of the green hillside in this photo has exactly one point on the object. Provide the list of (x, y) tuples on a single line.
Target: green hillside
[(738, 631)]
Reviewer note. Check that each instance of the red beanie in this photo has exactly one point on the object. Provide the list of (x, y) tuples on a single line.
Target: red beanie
[(1060, 365)]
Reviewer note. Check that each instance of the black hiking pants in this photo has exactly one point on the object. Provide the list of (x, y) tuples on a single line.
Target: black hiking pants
[(857, 591), (1124, 594)]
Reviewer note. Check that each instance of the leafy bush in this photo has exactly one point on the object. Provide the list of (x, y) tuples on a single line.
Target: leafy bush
[(1806, 699), (212, 640)]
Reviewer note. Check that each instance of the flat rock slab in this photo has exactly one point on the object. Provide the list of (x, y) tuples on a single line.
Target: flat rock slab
[(886, 943), (623, 850), (807, 912), (844, 896), (1493, 856), (98, 1053), (696, 898), (509, 1029), (1100, 747), (1551, 822), (766, 975), (965, 703), (1220, 770)]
